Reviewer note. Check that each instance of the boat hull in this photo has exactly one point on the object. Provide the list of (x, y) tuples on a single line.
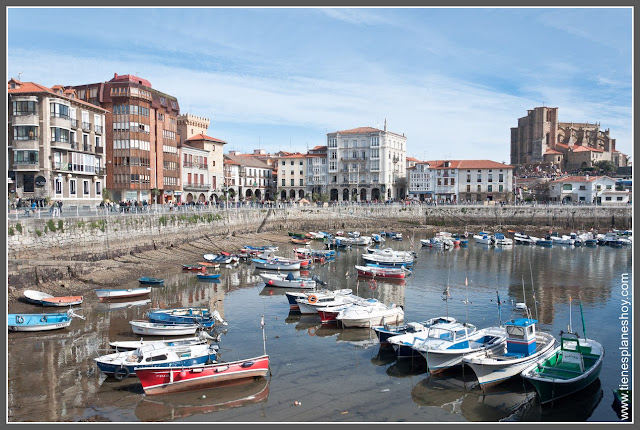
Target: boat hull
[(62, 301), (155, 329), (38, 322), (167, 380), (491, 372), (117, 294), (550, 390), (392, 317)]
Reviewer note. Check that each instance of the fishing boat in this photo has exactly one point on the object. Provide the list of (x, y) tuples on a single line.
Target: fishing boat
[(145, 280), (130, 345), (484, 238), (525, 239), (40, 322), (222, 258), (546, 241), (405, 344), (208, 276), (161, 380), (298, 241), (384, 332), (562, 240), (369, 314), (446, 344), (209, 265), (275, 264), (524, 346), (377, 238), (105, 294), (397, 236), (310, 303), (298, 235), (158, 329), (260, 248), (293, 296), (123, 364), (45, 299), (386, 261), (572, 367), (382, 272), (193, 315), (194, 267), (499, 239), (287, 281)]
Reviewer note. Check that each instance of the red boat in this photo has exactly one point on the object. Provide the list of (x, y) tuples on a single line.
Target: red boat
[(381, 272), (160, 380)]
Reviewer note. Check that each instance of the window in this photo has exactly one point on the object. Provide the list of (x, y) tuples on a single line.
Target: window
[(85, 188), (98, 142), (453, 181), (582, 199), (98, 188), (301, 182), (619, 199), (489, 188), (479, 189), (284, 184), (583, 187), (59, 135), (293, 182), (24, 108), (567, 187), (72, 187), (500, 188), (284, 162), (609, 187), (501, 177), (479, 177), (58, 186), (607, 199), (25, 157), (468, 188), (25, 132), (59, 110), (468, 178), (490, 178), (301, 162)]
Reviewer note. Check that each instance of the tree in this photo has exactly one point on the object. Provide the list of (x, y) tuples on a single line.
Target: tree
[(155, 192), (106, 195), (605, 166)]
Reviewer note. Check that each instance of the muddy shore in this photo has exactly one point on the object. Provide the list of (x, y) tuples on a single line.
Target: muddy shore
[(112, 273)]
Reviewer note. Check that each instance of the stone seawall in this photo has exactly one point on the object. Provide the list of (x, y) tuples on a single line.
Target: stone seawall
[(106, 237)]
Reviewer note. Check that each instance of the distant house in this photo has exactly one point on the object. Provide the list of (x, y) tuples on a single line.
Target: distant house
[(587, 189)]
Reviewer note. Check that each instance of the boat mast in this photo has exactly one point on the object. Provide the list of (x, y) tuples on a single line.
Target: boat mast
[(570, 327), (535, 303), (499, 310), (584, 330)]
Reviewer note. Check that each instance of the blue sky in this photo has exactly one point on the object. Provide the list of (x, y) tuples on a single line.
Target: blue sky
[(453, 80)]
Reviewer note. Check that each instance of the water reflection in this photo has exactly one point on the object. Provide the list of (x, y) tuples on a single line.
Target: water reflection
[(120, 304), (170, 407)]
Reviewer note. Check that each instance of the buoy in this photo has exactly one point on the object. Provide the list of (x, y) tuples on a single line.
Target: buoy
[(183, 373), (204, 397), (270, 281)]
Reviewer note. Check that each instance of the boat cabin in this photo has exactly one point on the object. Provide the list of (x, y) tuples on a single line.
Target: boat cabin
[(450, 332), (521, 337)]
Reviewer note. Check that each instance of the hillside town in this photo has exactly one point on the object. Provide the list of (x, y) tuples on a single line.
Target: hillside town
[(124, 142)]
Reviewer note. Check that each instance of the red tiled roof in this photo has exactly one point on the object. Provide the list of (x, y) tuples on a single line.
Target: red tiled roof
[(205, 137), (413, 159), (468, 164), (317, 155), (562, 145), (318, 148), (294, 155), (359, 130), (586, 149), (551, 151), (32, 87), (578, 178)]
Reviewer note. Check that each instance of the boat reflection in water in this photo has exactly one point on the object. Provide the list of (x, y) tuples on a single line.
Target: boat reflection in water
[(170, 407), (514, 400), (114, 304)]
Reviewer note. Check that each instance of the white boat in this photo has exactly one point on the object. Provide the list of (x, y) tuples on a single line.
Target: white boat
[(484, 238), (370, 313), (362, 241), (438, 242), (382, 272), (275, 264), (311, 303), (287, 281), (41, 322), (388, 257), (524, 346), (157, 329), (121, 292), (563, 240), (129, 345), (445, 346), (500, 240), (377, 238), (45, 299), (525, 239), (405, 344), (353, 234), (385, 332), (122, 364)]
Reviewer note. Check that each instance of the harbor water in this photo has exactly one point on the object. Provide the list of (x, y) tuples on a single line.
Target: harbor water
[(322, 373)]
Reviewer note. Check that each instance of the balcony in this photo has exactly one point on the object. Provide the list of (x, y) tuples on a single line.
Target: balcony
[(26, 166), (99, 150), (195, 186), (56, 144), (62, 167), (25, 144), (74, 123), (86, 126), (98, 129)]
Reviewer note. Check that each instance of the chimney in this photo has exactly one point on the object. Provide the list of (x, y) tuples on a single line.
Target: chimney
[(385, 124), (115, 75)]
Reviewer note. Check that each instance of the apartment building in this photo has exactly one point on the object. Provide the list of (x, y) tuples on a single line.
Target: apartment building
[(195, 175), (55, 145), (317, 173), (214, 162), (292, 177), (141, 138), (366, 163), (247, 178), (461, 181)]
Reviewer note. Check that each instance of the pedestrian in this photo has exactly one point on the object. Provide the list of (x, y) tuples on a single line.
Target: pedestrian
[(59, 207), (33, 207)]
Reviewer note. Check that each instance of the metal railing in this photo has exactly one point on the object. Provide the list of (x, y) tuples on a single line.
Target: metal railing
[(86, 126)]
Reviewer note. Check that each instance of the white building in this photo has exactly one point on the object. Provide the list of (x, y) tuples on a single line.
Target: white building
[(366, 163), (247, 178), (55, 145), (317, 172), (292, 177), (195, 174), (461, 180), (214, 162), (587, 189)]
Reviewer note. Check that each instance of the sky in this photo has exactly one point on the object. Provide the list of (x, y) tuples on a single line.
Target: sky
[(452, 80)]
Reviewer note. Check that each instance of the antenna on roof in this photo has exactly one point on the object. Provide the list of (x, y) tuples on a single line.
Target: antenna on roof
[(20, 73)]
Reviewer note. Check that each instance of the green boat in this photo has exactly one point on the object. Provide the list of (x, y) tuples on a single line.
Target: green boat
[(571, 368), (298, 235)]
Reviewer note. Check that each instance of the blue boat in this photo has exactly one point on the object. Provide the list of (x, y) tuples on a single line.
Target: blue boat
[(193, 315), (208, 276), (40, 322), (145, 280), (123, 364)]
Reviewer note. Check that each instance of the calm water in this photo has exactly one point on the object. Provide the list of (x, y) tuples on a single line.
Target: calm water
[(337, 375)]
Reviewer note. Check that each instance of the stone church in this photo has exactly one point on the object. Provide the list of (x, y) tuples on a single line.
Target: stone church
[(541, 139)]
